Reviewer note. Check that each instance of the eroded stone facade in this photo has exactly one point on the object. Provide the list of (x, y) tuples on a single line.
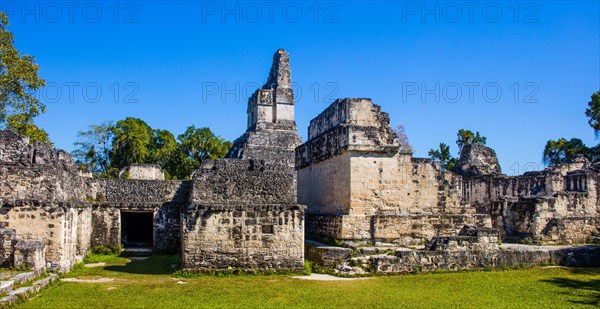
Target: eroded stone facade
[(358, 186), (246, 212), (234, 213)]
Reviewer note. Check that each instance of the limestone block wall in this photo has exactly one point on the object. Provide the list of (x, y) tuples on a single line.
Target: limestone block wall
[(373, 183), (106, 226), (163, 198), (244, 182), (84, 230), (242, 214), (410, 261), (325, 186), (399, 184), (557, 205), (259, 238), (7, 242), (29, 254), (53, 225), (358, 186), (143, 172)]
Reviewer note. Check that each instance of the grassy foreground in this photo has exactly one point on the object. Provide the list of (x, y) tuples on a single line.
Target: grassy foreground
[(150, 284)]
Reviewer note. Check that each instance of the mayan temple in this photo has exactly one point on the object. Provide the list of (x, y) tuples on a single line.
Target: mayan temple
[(271, 133), (347, 199)]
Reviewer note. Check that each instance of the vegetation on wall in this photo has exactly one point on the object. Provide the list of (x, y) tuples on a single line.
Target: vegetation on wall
[(464, 137)]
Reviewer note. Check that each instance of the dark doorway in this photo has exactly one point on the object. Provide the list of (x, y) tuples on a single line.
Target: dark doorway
[(137, 229)]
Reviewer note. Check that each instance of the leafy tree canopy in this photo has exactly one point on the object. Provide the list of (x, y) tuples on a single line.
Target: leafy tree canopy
[(131, 143), (593, 112), (106, 148), (19, 81), (93, 148), (563, 151)]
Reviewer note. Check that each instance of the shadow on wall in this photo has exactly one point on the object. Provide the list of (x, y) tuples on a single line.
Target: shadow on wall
[(581, 292), (154, 265)]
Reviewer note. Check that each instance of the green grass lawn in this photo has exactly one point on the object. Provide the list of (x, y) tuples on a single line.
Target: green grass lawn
[(150, 284)]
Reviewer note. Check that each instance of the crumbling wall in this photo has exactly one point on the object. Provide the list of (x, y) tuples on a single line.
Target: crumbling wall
[(52, 225), (106, 222), (163, 198), (471, 249), (268, 238), (142, 171), (325, 186), (243, 214), (7, 243), (40, 192), (84, 230), (271, 134), (556, 205), (359, 186)]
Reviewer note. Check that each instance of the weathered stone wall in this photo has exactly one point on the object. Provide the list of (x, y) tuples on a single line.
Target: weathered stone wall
[(359, 186), (143, 172), (411, 261), (465, 252), (7, 243), (557, 205), (40, 194), (84, 230), (52, 225), (325, 186), (106, 226), (29, 253), (243, 213), (163, 198), (261, 238)]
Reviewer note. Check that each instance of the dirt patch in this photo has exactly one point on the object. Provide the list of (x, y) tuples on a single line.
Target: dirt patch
[(323, 277), (91, 265), (99, 280)]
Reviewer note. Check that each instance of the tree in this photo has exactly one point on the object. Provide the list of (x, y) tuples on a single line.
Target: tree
[(198, 145), (131, 143), (443, 156), (165, 151), (562, 151), (593, 112), (107, 148), (93, 147), (593, 154), (22, 124), (402, 139), (19, 81), (467, 137)]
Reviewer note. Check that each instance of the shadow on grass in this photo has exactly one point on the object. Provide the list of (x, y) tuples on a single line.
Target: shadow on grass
[(154, 265), (583, 292)]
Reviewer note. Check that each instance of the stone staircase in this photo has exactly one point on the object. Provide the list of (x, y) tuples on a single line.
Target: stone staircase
[(137, 252), (9, 294)]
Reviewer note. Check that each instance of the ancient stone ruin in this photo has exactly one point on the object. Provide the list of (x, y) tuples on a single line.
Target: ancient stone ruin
[(236, 213), (392, 212)]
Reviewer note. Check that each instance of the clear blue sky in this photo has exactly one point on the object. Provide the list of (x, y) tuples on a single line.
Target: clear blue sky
[(170, 55)]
